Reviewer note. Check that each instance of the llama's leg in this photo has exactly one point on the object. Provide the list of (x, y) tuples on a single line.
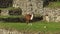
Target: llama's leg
[(27, 21)]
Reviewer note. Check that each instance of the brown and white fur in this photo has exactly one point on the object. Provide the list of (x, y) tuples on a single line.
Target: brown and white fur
[(28, 17)]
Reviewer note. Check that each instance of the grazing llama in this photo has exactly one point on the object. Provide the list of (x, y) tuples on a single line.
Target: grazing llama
[(28, 17)]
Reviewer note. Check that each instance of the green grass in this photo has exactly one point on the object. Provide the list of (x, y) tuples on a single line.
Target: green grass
[(54, 5), (36, 26), (9, 8), (11, 16)]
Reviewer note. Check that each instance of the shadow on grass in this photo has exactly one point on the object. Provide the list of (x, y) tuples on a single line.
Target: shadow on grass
[(35, 19), (21, 20)]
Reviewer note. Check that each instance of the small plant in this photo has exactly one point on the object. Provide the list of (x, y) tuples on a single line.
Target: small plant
[(54, 5)]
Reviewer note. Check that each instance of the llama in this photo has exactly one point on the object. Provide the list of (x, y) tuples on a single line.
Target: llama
[(28, 17)]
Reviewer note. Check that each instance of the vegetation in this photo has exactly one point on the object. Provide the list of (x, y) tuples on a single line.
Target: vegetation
[(36, 26), (11, 16), (54, 5), (9, 8)]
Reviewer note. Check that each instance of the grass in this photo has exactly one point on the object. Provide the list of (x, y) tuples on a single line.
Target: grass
[(11, 16), (54, 5), (36, 26), (9, 8)]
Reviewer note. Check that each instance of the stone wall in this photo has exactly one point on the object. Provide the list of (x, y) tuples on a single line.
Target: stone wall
[(49, 14), (4, 31), (29, 6), (52, 14), (6, 3), (4, 12)]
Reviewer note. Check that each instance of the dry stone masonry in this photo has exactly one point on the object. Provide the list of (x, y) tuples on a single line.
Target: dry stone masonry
[(52, 14), (4, 12), (29, 6), (3, 31), (35, 6)]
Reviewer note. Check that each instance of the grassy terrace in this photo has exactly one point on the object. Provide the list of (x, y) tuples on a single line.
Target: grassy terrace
[(54, 5), (9, 8), (11, 16), (36, 26)]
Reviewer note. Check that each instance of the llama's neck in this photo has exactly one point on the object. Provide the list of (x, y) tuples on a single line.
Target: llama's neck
[(31, 16)]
